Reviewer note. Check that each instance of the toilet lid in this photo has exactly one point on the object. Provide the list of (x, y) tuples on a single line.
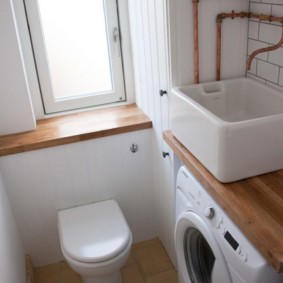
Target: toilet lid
[(93, 233)]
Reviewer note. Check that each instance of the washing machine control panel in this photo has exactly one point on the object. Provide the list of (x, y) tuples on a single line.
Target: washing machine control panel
[(230, 239), (209, 212), (222, 226)]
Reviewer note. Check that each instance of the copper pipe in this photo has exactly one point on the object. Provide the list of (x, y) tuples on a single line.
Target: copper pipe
[(261, 17), (196, 42), (261, 50), (218, 51), (233, 15), (266, 18)]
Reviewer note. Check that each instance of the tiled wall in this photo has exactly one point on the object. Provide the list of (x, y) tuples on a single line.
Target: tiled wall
[(266, 67)]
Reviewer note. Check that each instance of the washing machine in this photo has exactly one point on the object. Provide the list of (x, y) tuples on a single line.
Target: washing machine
[(209, 247)]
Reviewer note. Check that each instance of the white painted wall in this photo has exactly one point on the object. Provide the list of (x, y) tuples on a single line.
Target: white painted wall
[(16, 113), (12, 257), (43, 181)]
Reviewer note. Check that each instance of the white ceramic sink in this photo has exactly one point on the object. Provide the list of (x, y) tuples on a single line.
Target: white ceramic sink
[(233, 127)]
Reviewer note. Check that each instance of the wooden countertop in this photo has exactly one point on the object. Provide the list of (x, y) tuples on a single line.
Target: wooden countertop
[(76, 127), (254, 204)]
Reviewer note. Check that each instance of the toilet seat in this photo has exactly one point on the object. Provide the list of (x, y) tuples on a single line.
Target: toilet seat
[(93, 233), (100, 268)]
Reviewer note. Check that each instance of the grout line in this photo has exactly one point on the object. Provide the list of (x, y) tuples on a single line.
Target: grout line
[(258, 31), (269, 62), (161, 272), (139, 268), (261, 41), (266, 23)]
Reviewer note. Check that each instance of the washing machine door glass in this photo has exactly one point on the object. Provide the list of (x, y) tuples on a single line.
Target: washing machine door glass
[(199, 256)]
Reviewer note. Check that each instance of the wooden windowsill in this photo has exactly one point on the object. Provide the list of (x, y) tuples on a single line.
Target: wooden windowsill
[(76, 127)]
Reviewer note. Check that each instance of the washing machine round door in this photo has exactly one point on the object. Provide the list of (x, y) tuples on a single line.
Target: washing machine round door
[(199, 256)]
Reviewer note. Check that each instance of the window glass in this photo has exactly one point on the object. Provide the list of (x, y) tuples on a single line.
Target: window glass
[(199, 257), (76, 45)]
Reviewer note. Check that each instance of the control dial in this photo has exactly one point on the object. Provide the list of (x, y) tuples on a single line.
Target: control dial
[(209, 212)]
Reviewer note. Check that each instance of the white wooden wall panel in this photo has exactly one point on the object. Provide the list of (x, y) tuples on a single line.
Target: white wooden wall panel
[(150, 48), (139, 84), (141, 87), (41, 182), (148, 57), (163, 60), (149, 32)]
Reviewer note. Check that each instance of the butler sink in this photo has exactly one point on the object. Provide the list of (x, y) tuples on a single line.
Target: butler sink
[(233, 127)]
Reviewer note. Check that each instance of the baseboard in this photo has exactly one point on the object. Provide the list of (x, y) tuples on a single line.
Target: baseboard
[(29, 270)]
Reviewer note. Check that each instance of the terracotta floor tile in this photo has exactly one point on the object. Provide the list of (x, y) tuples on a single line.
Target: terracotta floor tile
[(131, 259), (145, 244), (132, 274), (152, 257), (148, 263), (170, 276), (47, 274), (68, 275)]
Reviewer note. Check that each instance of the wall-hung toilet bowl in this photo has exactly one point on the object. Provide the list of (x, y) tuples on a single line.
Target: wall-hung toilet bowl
[(95, 240)]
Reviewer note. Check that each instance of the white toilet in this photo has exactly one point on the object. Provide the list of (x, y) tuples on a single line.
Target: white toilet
[(95, 240)]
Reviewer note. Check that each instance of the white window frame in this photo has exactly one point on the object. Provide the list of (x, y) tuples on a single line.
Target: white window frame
[(31, 72)]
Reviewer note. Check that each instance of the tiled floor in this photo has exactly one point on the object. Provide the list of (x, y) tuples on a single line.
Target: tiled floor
[(148, 263)]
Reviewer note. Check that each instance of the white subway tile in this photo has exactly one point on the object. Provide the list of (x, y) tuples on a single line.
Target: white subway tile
[(255, 78), (260, 8), (267, 71), (274, 86), (276, 57), (269, 33), (277, 10), (254, 45), (253, 29), (273, 1)]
